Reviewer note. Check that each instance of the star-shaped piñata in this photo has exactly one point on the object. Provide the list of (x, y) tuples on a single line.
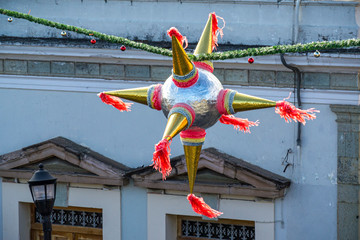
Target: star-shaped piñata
[(193, 99)]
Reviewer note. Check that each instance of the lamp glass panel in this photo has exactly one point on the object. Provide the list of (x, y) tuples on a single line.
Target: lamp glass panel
[(50, 191), (38, 192)]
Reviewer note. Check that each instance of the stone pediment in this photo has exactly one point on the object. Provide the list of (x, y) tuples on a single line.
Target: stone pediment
[(218, 173), (65, 160)]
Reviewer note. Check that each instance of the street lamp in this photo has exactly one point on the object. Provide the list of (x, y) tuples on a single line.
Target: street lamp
[(43, 190)]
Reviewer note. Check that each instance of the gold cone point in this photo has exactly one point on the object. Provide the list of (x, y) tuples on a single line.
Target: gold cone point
[(192, 155), (243, 102), (175, 124), (181, 62), (205, 45), (138, 95)]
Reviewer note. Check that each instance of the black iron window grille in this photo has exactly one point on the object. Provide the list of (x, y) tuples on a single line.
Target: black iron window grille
[(193, 229), (74, 218)]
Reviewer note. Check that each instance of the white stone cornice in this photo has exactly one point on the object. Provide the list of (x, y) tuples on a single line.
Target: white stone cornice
[(83, 55), (91, 85), (328, 62)]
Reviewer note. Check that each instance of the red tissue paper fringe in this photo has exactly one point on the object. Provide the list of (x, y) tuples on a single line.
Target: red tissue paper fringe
[(115, 102), (238, 123), (200, 207), (289, 112), (161, 159), (174, 32), (216, 30)]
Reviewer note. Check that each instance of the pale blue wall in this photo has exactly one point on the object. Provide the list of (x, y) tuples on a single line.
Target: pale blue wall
[(31, 116), (35, 116), (271, 139), (133, 212), (309, 212), (1, 216), (267, 22), (308, 209)]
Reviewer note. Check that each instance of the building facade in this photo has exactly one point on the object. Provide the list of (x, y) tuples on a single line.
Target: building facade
[(270, 184)]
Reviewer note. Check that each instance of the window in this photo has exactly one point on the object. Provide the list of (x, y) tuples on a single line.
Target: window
[(196, 228), (72, 223)]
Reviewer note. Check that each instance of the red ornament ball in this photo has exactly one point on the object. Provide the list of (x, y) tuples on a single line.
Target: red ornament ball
[(250, 60), (122, 48), (93, 41)]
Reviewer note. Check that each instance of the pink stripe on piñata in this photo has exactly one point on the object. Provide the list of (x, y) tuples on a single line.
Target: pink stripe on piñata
[(188, 108), (156, 99), (204, 66), (220, 104), (188, 83), (194, 133)]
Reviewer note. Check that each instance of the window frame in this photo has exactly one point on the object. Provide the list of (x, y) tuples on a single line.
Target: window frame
[(67, 229), (179, 218)]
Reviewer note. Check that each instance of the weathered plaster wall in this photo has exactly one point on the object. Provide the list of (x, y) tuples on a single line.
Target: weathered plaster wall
[(1, 214), (348, 170), (34, 116), (312, 195), (357, 15), (247, 22), (323, 23), (133, 212)]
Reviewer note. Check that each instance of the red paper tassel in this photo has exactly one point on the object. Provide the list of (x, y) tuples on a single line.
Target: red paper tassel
[(216, 30), (200, 207), (239, 123), (174, 32), (115, 102), (161, 159), (288, 111)]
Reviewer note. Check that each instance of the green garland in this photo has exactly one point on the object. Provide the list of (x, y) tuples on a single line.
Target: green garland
[(102, 36), (325, 45)]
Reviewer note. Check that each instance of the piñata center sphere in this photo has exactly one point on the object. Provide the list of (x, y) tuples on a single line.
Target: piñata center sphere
[(202, 97)]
